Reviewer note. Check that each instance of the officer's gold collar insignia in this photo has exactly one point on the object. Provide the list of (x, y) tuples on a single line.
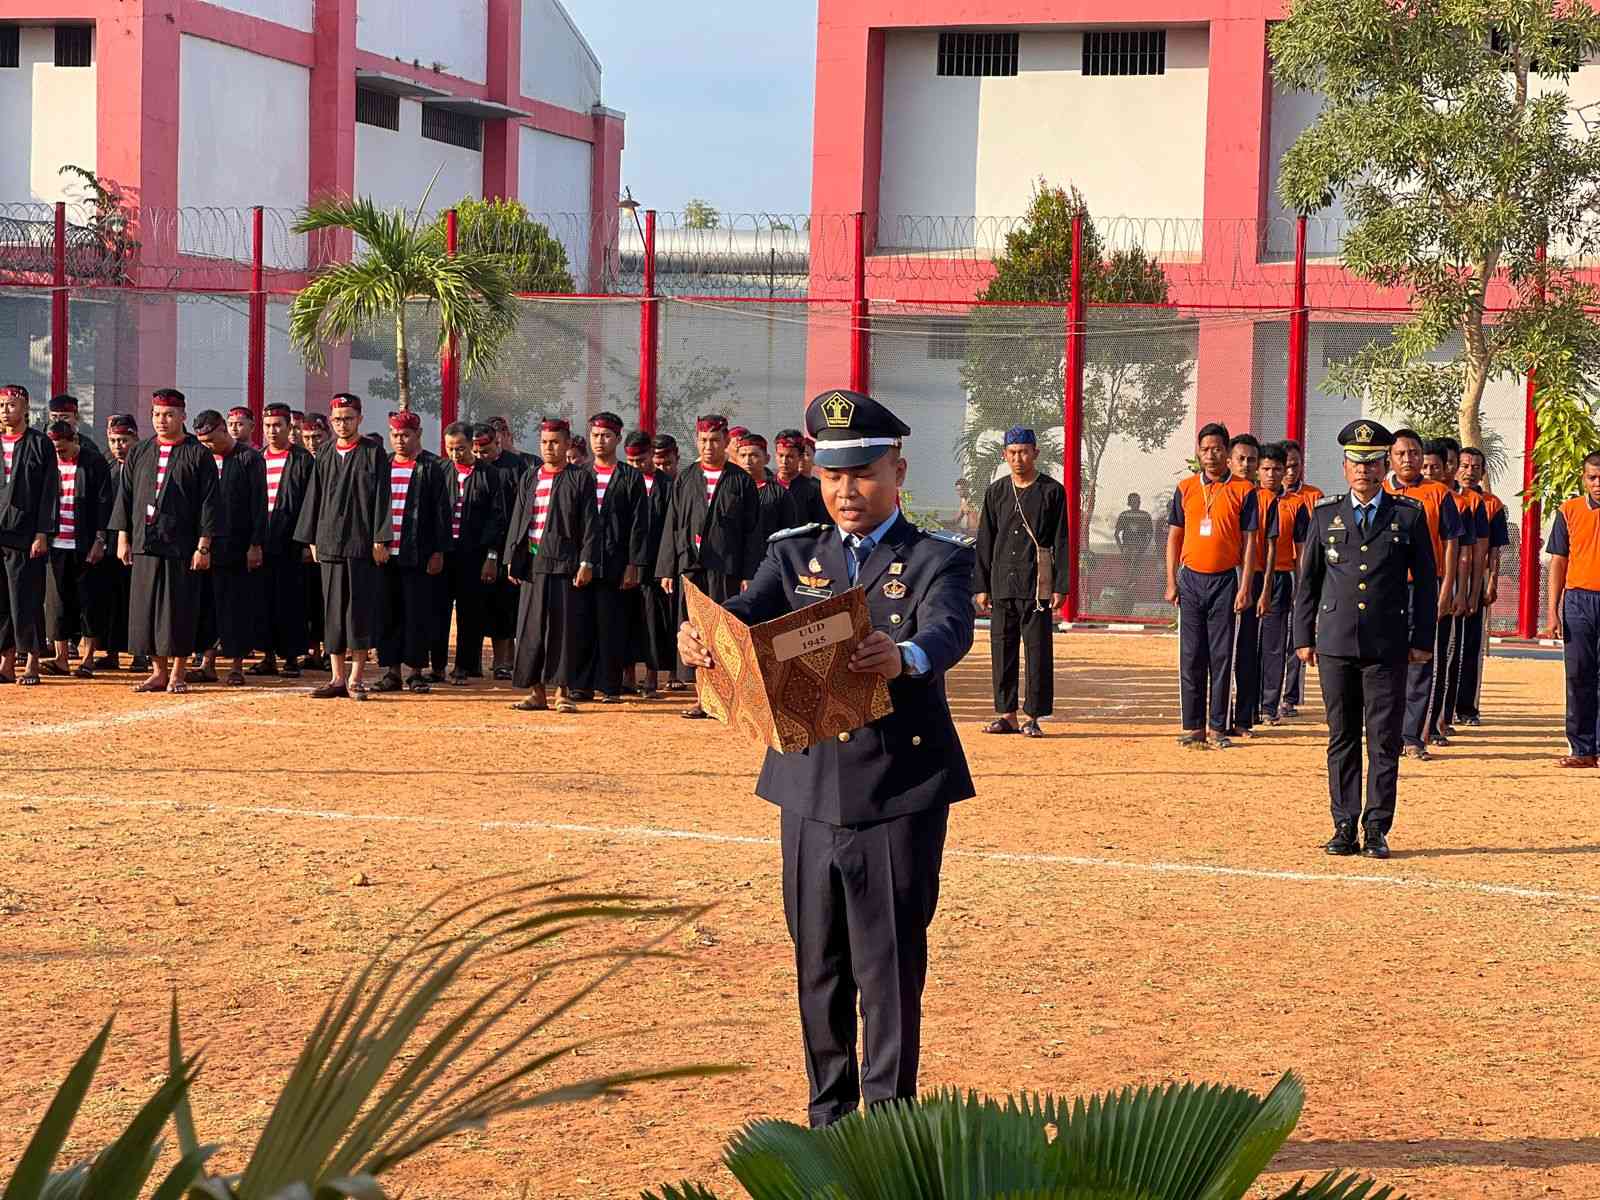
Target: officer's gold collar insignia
[(814, 565), (894, 589), (815, 581), (897, 568), (837, 411)]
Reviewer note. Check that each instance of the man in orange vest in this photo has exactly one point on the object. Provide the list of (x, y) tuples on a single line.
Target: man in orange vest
[(1574, 548)]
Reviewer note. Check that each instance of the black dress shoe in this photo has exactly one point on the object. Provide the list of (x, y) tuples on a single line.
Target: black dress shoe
[(1377, 845), (1343, 842)]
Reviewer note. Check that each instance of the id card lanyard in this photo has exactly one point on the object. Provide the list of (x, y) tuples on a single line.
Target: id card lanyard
[(1207, 499)]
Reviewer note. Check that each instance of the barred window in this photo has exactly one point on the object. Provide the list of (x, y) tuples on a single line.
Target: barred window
[(457, 129), (1125, 52), (10, 46), (377, 108), (977, 53), (72, 45)]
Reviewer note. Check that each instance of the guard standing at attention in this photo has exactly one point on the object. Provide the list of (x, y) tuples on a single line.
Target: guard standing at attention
[(864, 816), (1350, 622)]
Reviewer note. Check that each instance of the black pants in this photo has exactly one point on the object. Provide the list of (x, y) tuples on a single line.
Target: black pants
[(69, 598), (1363, 694), (1425, 684), (21, 602), (410, 616), (462, 592), (1463, 700), (283, 629), (1275, 649), (111, 604), (1207, 630), (163, 606), (1580, 651), (607, 611), (552, 630), (1294, 678), (316, 617), (1023, 622), (230, 610), (715, 584), (660, 627), (858, 902), (1247, 662)]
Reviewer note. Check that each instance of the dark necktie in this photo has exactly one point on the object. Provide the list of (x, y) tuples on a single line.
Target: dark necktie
[(1364, 521), (858, 554)]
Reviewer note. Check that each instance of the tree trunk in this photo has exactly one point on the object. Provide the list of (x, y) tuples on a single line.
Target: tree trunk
[(1477, 361), (402, 364)]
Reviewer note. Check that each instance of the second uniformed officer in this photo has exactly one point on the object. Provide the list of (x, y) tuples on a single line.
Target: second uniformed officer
[(864, 817), (1350, 620)]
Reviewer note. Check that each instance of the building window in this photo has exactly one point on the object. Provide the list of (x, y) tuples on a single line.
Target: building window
[(377, 108), (977, 54), (1125, 52), (10, 46), (457, 129), (72, 45)]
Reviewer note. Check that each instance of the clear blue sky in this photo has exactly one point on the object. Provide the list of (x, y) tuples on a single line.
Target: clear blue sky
[(718, 97)]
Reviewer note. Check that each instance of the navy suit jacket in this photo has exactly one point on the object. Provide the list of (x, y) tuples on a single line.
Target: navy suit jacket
[(912, 759)]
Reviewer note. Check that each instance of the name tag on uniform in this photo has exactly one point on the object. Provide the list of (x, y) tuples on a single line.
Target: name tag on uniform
[(1205, 527), (807, 590)]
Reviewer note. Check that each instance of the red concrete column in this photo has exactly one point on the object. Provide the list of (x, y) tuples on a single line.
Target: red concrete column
[(502, 140), (333, 160)]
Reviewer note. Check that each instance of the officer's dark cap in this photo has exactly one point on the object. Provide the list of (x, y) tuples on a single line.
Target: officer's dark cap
[(1365, 441), (851, 429)]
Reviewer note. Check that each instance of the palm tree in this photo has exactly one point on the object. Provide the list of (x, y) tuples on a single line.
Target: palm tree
[(402, 260), (1179, 1142)]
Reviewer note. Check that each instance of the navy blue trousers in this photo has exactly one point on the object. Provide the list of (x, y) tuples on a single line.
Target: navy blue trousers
[(1275, 649), (1207, 630), (1247, 663), (1580, 634)]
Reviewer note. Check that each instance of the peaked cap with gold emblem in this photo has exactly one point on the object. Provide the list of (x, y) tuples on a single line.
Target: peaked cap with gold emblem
[(851, 429), (1365, 441)]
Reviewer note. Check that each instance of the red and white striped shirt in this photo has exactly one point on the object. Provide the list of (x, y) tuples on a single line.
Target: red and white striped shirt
[(277, 460), (8, 446), (541, 507), (163, 456), (463, 473), (400, 472), (649, 482), (67, 536), (344, 451), (218, 457), (712, 479), (602, 480)]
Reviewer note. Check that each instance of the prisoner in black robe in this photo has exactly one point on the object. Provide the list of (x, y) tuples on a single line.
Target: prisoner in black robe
[(230, 614), (410, 592), (164, 525), (284, 627), (776, 510), (717, 545), (656, 630), (484, 506), (504, 597), (72, 605), (624, 538), (345, 513), (30, 492), (551, 630), (805, 493), (110, 591)]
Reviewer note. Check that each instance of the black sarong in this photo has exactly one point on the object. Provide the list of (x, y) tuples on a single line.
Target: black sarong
[(549, 630), (163, 606), (352, 604)]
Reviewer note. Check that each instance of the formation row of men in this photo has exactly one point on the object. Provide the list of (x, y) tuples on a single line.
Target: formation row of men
[(192, 541)]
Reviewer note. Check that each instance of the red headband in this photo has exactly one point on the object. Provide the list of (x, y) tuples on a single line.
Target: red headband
[(404, 420), (122, 425), (753, 439), (167, 402), (57, 406), (276, 410), (484, 439), (345, 402), (790, 443), (554, 425), (54, 436), (711, 425), (610, 423)]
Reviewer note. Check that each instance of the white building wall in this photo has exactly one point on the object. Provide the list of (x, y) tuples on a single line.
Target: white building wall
[(297, 14), (393, 167), (47, 120), (553, 175), (452, 33), (558, 66), (976, 147), (243, 140)]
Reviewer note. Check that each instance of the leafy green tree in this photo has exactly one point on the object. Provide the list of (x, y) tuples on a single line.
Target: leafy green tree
[(1454, 166), (698, 214), (1135, 379), (685, 390), (401, 261)]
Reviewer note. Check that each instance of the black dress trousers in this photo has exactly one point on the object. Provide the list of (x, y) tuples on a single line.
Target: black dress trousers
[(1371, 695), (1025, 622), (858, 901)]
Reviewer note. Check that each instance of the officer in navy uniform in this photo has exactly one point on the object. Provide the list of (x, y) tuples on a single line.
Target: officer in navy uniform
[(864, 816), (1350, 620)]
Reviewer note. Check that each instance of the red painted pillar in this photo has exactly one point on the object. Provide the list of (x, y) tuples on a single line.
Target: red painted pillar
[(1299, 340), (1072, 423), (1532, 517), (256, 368), (450, 355), (58, 306), (860, 345), (649, 325)]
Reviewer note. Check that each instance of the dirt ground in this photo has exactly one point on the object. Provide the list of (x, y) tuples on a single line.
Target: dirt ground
[(1113, 911)]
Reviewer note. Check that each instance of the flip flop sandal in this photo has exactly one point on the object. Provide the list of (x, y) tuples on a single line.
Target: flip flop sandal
[(205, 675), (651, 694), (149, 685), (530, 706), (419, 685), (389, 683), (27, 681), (50, 667), (236, 679), (358, 691), (458, 679), (503, 674), (261, 670), (330, 691), (84, 672), (565, 706), (1031, 729), (694, 714), (1000, 725), (607, 698), (178, 687)]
